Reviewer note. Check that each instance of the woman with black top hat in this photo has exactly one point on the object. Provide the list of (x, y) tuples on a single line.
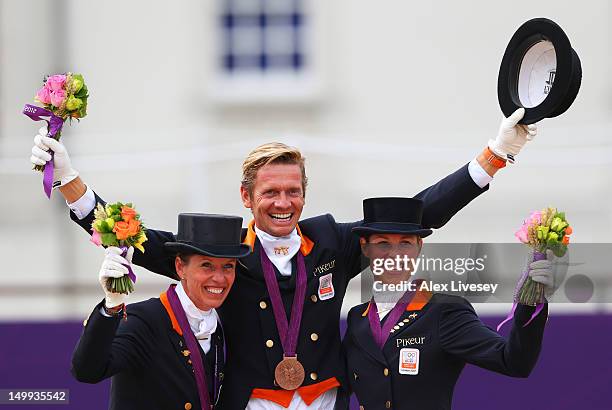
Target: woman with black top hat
[(407, 350), (168, 353)]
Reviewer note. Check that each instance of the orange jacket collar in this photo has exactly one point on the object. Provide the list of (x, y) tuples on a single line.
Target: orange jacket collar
[(305, 247), (164, 300)]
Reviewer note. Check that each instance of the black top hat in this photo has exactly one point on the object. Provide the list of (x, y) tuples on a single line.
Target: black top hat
[(540, 71), (209, 234), (392, 215)]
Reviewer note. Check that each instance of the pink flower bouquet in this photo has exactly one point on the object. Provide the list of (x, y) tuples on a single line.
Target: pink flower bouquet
[(543, 230), (63, 97)]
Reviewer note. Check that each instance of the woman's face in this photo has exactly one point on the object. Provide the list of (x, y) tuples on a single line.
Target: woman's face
[(391, 255), (206, 280)]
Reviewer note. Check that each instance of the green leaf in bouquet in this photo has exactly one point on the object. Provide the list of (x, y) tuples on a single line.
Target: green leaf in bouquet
[(109, 239), (83, 110), (96, 225), (559, 249), (104, 227)]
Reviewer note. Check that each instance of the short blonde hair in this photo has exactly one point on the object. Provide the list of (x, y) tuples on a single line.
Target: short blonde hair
[(271, 153)]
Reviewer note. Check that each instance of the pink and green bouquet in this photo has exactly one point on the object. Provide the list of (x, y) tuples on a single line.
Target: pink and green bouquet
[(63, 97), (543, 230), (119, 225)]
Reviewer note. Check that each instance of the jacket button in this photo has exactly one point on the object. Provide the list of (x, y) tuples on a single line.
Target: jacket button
[(314, 337), (388, 404), (386, 372), (313, 298), (314, 376), (269, 343), (263, 304), (188, 406)]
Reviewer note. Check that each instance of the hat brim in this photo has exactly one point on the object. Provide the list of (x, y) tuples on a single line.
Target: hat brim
[(568, 72), (369, 229), (216, 251)]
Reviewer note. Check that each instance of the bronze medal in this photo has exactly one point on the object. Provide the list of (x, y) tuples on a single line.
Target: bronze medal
[(289, 373)]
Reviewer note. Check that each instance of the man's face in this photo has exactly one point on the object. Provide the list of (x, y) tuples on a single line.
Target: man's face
[(388, 247), (206, 280), (277, 199)]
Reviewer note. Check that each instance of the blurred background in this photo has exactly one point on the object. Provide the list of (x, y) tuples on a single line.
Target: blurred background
[(383, 98)]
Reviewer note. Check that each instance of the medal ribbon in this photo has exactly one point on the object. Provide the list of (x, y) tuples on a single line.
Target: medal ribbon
[(381, 334), (192, 345), (288, 332), (54, 126)]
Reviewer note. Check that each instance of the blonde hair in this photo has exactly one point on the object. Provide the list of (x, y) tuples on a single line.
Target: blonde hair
[(271, 153)]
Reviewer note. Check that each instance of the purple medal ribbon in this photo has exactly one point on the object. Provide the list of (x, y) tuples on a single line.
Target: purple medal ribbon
[(381, 334), (288, 332), (192, 345), (55, 124), (537, 256)]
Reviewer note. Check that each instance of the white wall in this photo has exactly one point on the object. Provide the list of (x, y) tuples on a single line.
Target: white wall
[(409, 95)]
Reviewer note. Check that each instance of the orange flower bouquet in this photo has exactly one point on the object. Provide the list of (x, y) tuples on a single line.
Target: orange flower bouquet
[(119, 225)]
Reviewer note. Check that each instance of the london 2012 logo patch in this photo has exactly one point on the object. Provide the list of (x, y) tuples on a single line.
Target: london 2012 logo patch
[(326, 287)]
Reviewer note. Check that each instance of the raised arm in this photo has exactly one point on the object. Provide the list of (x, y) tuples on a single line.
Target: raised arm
[(462, 334), (109, 344), (82, 201), (447, 197)]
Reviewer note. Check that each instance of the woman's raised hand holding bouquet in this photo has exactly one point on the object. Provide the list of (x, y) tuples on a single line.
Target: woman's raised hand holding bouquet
[(546, 232), (118, 225), (63, 97)]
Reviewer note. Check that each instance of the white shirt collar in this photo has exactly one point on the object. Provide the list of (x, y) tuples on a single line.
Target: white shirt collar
[(385, 300), (203, 323), (280, 249)]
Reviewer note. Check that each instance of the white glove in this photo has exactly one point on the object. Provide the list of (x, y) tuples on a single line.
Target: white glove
[(62, 171), (512, 136), (112, 267), (550, 272)]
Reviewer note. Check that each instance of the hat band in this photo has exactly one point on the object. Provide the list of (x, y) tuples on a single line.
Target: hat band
[(210, 247), (404, 225)]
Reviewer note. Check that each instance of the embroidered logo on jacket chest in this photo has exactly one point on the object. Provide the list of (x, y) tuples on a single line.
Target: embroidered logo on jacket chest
[(325, 267)]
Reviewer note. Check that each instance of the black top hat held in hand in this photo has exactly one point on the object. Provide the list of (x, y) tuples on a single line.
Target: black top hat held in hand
[(209, 234), (540, 71), (392, 215)]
